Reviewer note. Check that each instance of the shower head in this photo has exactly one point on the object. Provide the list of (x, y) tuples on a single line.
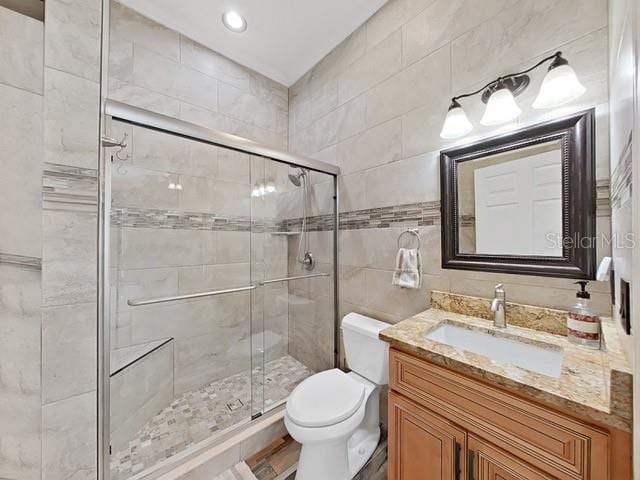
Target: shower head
[(296, 179)]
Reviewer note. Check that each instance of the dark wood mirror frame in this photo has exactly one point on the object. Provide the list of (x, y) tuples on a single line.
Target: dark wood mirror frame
[(576, 134)]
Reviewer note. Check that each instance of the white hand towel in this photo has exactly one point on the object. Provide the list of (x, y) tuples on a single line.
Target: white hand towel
[(408, 272)]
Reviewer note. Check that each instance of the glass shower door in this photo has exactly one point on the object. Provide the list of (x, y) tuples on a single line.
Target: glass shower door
[(186, 336), (294, 253)]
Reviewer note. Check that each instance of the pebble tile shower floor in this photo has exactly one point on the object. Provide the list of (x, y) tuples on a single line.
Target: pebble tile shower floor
[(197, 415)]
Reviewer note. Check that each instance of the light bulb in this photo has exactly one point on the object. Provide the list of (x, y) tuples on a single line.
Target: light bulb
[(560, 86), (456, 123), (271, 187), (501, 108), (234, 21)]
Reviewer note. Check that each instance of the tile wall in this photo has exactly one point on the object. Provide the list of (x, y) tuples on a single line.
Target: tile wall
[(69, 225), (621, 88), (202, 87), (158, 69), (21, 103), (311, 301), (50, 96), (375, 106), (201, 237)]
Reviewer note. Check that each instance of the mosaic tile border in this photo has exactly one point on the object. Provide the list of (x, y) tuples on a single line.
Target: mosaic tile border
[(622, 178), (69, 188), (405, 215), (603, 198), (21, 260), (467, 220), (133, 217)]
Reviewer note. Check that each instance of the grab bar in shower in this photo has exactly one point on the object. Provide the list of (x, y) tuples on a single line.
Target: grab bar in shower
[(152, 301), (286, 279)]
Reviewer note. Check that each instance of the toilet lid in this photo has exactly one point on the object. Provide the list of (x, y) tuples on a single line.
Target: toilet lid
[(324, 399)]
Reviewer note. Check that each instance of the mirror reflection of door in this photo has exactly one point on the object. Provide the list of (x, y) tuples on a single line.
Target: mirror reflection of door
[(513, 203)]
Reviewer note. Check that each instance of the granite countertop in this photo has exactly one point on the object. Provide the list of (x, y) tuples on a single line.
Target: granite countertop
[(594, 385)]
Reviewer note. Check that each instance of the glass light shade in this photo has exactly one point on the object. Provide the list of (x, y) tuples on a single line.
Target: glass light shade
[(501, 108), (560, 86), (456, 124)]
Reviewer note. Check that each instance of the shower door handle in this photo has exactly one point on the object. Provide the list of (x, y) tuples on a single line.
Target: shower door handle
[(188, 296)]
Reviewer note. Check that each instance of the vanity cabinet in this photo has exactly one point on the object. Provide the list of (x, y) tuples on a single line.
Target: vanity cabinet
[(446, 425), (431, 446)]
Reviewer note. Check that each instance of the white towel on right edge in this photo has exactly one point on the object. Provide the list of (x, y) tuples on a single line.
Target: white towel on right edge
[(408, 272)]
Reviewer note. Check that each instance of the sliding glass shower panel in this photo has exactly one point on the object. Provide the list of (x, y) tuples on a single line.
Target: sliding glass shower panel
[(184, 344), (298, 293)]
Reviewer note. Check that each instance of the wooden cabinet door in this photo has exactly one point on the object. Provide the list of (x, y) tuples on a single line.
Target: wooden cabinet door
[(423, 445), (486, 462)]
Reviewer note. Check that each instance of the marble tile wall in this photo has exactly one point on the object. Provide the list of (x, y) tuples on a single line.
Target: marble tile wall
[(158, 69), (622, 60), (210, 234), (21, 104), (200, 86), (69, 224), (139, 392), (203, 87), (20, 386), (375, 106), (311, 301)]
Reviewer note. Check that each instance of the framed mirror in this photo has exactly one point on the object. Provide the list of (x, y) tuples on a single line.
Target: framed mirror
[(523, 202)]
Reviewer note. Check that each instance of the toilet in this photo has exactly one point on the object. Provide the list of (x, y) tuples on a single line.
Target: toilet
[(335, 416)]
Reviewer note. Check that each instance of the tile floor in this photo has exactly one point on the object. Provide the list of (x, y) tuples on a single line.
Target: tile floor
[(197, 415)]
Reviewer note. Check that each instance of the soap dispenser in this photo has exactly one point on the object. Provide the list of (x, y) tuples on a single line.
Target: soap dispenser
[(583, 324)]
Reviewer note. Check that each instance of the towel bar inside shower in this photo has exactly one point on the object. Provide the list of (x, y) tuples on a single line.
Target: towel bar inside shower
[(152, 301), (287, 279)]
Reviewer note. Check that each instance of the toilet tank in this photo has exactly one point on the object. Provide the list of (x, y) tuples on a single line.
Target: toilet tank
[(367, 355)]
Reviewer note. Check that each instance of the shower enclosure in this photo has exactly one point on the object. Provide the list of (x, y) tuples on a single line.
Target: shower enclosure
[(219, 285)]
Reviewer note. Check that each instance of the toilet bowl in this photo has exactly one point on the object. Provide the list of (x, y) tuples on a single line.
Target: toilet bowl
[(335, 416)]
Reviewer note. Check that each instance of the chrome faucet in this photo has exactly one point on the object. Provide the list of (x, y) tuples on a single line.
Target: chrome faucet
[(497, 307)]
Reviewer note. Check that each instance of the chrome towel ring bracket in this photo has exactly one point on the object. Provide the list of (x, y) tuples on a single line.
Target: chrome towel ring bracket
[(415, 233)]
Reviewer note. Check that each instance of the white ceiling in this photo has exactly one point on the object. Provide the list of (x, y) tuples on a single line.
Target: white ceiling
[(284, 38)]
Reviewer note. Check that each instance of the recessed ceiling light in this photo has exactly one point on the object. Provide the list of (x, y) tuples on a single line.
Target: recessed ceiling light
[(234, 21)]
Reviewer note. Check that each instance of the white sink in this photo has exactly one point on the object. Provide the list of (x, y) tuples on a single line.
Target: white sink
[(546, 360)]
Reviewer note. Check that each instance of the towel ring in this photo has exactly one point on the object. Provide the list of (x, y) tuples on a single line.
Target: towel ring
[(412, 231)]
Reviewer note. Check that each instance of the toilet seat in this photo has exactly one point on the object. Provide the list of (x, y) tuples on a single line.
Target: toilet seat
[(325, 399)]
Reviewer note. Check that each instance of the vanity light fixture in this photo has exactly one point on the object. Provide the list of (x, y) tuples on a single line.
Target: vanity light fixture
[(560, 86), (234, 21)]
